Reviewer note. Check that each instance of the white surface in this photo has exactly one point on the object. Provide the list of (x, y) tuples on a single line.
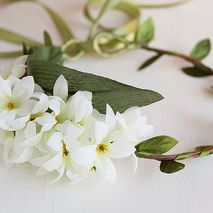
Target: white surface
[(186, 113)]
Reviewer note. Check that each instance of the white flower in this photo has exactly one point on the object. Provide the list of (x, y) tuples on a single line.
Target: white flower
[(16, 95), (76, 108), (106, 143), (40, 116), (16, 102), (61, 146), (34, 131), (135, 124), (7, 141), (16, 69)]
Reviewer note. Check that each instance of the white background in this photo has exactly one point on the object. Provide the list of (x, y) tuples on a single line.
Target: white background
[(186, 113)]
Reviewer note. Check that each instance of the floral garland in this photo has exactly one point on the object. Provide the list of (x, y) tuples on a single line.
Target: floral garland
[(66, 135), (75, 124)]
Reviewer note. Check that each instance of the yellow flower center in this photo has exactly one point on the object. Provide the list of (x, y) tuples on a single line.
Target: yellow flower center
[(32, 117), (65, 151), (57, 118), (11, 106), (102, 149), (93, 169)]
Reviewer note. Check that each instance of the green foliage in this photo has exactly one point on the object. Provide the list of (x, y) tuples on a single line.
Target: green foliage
[(47, 39), (150, 61), (201, 49), (47, 53), (60, 24), (156, 145), (119, 96), (184, 156), (197, 71), (171, 166), (205, 150), (146, 32), (16, 38)]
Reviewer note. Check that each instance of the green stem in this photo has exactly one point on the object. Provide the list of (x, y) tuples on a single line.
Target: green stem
[(12, 54), (163, 5), (181, 156), (94, 26), (189, 59)]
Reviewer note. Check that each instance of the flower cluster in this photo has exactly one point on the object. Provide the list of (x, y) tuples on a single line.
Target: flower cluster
[(62, 134)]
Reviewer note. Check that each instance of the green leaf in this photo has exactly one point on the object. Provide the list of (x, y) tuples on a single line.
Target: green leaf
[(146, 32), (119, 96), (171, 166), (150, 61), (156, 145), (61, 26), (198, 71), (51, 54), (201, 50), (184, 156), (205, 150), (47, 39), (16, 38)]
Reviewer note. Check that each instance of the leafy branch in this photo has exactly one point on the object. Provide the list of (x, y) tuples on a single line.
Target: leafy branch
[(107, 42), (199, 52), (154, 149)]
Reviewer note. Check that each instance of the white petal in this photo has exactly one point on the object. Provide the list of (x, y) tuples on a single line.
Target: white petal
[(19, 71), (6, 118), (47, 121), (147, 133), (107, 170), (61, 173), (42, 105), (30, 130), (55, 106), (69, 129), (132, 114), (74, 177), (5, 70), (55, 141), (121, 148), (47, 127), (45, 118), (110, 117), (84, 109), (80, 106), (32, 141), (38, 89), (40, 160), (19, 123), (71, 144), (20, 61), (85, 156), (61, 88), (53, 163), (100, 131), (25, 107), (4, 88), (134, 163), (24, 156), (120, 119), (24, 89), (8, 145)]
